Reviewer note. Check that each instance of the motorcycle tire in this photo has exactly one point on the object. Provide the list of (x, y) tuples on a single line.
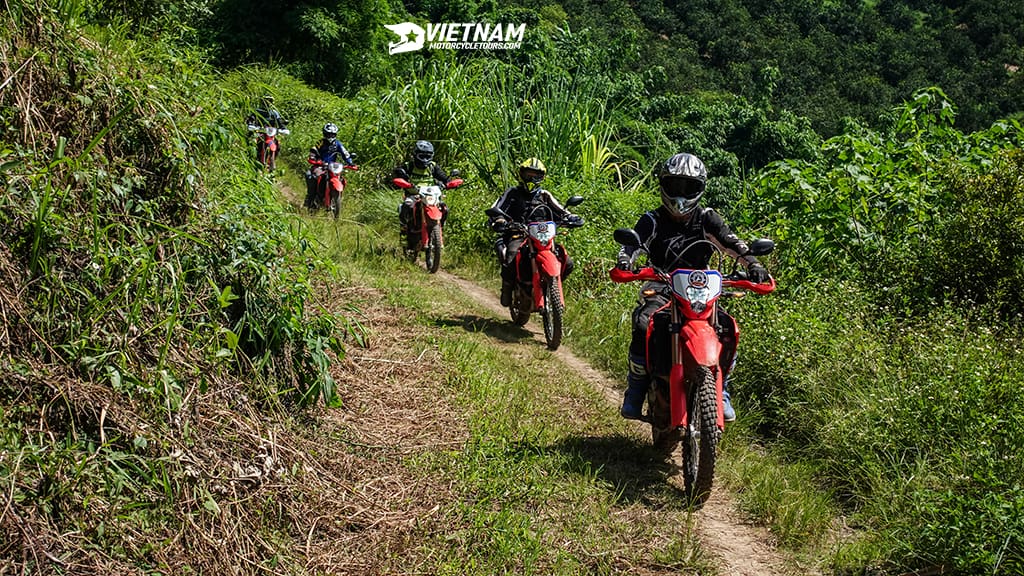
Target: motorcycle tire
[(261, 153), (522, 306), (433, 255), (700, 447), (335, 204), (664, 438), (552, 313)]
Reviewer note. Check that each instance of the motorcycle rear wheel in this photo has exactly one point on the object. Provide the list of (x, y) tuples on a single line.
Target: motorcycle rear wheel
[(552, 313), (335, 206), (665, 439), (522, 306), (700, 446), (433, 255)]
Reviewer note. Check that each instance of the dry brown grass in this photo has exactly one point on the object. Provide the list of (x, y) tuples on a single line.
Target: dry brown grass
[(325, 491)]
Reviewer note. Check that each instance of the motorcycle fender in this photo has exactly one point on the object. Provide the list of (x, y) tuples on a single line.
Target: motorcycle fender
[(701, 343), (424, 234), (548, 263), (538, 291), (337, 184), (433, 212)]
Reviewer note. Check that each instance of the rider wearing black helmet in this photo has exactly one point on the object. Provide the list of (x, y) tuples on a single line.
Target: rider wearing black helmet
[(328, 150), (520, 202), (419, 169), (677, 223)]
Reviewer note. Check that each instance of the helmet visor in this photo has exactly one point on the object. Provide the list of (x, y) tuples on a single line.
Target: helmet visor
[(531, 175), (423, 156), (685, 188)]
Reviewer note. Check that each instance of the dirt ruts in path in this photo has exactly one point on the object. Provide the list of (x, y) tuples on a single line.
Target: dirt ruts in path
[(742, 549)]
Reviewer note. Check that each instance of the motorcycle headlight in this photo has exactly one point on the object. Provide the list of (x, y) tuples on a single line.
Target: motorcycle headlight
[(336, 167), (698, 297), (271, 131)]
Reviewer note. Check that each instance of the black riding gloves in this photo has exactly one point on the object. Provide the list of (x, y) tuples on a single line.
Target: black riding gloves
[(758, 273)]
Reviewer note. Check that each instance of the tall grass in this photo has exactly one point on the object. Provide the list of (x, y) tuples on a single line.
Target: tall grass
[(865, 415), (152, 289)]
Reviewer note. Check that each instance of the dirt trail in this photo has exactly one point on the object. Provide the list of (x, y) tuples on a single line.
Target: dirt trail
[(742, 549)]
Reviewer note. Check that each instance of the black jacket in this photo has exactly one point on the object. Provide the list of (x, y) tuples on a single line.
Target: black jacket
[(668, 241), (524, 205), (416, 175), (264, 118)]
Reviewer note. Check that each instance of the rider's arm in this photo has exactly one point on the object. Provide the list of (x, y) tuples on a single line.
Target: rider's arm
[(557, 210), (401, 171), (314, 156), (645, 227), (343, 152), (440, 175), (719, 233), (502, 203)]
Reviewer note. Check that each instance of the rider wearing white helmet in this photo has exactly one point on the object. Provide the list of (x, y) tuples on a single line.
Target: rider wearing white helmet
[(667, 235)]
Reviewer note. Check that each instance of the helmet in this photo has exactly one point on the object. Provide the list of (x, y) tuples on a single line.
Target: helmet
[(532, 171), (267, 100), (682, 179), (422, 153), (330, 131)]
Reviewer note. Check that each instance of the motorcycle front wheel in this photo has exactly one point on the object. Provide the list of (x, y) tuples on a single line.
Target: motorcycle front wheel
[(552, 312), (700, 446), (433, 255)]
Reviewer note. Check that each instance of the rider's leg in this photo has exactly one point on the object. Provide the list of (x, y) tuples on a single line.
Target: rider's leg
[(727, 334), (310, 190), (567, 262), (727, 409), (507, 257), (638, 378), (638, 381), (405, 214)]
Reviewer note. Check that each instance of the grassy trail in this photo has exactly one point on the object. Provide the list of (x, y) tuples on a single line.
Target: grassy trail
[(518, 457), (737, 547)]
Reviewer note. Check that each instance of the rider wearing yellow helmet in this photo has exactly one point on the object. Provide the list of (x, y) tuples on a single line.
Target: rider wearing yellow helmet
[(524, 203)]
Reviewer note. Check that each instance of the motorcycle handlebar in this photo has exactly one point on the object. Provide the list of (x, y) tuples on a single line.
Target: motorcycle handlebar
[(621, 276)]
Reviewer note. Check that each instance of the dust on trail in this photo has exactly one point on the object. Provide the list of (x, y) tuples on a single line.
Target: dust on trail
[(741, 548)]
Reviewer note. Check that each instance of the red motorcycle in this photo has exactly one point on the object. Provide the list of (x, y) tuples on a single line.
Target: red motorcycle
[(267, 145), (328, 186), (538, 270), (425, 230), (685, 398)]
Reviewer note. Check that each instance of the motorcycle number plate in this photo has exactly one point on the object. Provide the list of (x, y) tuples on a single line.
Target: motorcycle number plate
[(431, 195), (542, 231), (697, 284)]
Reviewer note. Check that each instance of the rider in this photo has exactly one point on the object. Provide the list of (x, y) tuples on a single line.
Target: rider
[(328, 150), (677, 223), (266, 115), (519, 202), (419, 170)]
